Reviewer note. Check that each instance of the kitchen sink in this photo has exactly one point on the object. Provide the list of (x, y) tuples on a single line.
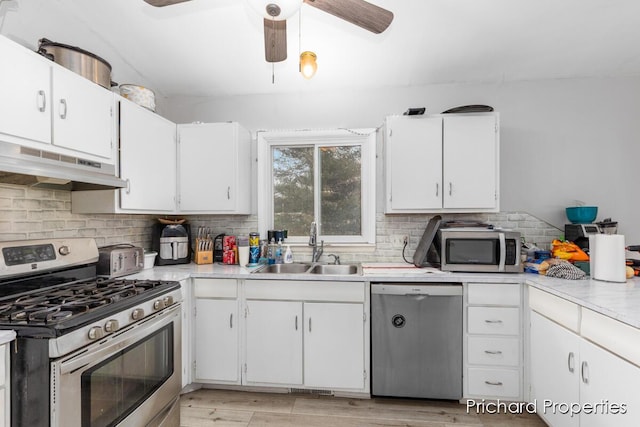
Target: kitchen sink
[(307, 268), (334, 269), (295, 268)]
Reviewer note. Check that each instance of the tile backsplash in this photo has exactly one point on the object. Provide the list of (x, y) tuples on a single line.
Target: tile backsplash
[(34, 213), (30, 213)]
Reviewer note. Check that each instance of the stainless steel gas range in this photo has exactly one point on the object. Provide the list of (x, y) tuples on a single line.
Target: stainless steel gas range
[(89, 351)]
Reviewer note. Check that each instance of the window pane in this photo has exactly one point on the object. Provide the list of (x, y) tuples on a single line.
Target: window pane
[(293, 189), (341, 190)]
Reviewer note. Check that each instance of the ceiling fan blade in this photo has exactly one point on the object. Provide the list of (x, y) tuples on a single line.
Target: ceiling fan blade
[(161, 3), (275, 40), (358, 12)]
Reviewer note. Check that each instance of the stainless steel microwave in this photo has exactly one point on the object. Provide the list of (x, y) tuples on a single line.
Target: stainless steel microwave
[(480, 250)]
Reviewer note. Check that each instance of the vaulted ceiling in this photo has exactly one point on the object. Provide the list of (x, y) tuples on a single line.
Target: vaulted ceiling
[(216, 47)]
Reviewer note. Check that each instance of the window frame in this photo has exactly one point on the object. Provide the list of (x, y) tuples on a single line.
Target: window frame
[(365, 138)]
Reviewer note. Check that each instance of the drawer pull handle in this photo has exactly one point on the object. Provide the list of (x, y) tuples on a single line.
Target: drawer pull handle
[(493, 321), (571, 362), (493, 351), (231, 321), (42, 104), (296, 323), (584, 372), (498, 383)]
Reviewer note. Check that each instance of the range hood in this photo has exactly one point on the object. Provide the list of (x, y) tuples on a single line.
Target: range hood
[(44, 169)]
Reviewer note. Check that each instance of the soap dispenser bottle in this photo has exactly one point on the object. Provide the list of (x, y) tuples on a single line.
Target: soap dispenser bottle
[(288, 256)]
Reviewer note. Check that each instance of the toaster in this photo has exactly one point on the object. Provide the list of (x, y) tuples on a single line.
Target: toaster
[(119, 260)]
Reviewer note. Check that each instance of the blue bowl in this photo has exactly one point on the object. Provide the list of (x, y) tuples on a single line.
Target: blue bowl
[(582, 214)]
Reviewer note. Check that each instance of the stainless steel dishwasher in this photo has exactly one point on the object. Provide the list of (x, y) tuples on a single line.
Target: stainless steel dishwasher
[(416, 340)]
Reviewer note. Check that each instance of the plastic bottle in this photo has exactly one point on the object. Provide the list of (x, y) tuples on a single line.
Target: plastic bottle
[(288, 255), (271, 252), (279, 254)]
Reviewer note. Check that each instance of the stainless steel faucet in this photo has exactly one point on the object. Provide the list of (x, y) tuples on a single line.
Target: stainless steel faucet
[(313, 242)]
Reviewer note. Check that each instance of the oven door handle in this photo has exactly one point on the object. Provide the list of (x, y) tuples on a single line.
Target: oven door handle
[(103, 350)]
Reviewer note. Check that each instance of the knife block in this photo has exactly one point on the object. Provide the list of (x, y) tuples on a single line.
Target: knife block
[(203, 256)]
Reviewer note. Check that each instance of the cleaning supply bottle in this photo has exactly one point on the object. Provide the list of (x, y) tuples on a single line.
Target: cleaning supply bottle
[(279, 254), (271, 252), (288, 255)]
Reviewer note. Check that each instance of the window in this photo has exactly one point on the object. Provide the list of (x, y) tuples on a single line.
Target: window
[(322, 176)]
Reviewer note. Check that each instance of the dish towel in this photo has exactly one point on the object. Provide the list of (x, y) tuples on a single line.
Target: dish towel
[(566, 271)]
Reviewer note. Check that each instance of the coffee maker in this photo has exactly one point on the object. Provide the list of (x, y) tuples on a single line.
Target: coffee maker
[(172, 242), (579, 234)]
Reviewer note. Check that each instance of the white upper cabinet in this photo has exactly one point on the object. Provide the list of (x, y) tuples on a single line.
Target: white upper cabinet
[(442, 163), (147, 163), (25, 86), (82, 114), (470, 173), (214, 169), (44, 103), (147, 159), (414, 163)]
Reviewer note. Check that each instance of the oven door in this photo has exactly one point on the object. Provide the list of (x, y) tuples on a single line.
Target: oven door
[(131, 378)]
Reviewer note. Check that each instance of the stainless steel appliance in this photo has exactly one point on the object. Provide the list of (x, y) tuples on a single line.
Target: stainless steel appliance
[(173, 243), (579, 234), (485, 250), (416, 340), (120, 260), (89, 351)]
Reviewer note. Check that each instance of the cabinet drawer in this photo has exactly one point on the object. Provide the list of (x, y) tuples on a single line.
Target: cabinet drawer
[(215, 288), (493, 351), (494, 320), (494, 293), (494, 382)]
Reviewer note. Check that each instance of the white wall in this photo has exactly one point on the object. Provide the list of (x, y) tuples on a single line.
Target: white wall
[(562, 141)]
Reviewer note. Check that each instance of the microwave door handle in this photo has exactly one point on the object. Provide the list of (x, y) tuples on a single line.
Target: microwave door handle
[(503, 251)]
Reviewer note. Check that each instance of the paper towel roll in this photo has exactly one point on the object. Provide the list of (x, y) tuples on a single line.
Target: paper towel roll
[(607, 257)]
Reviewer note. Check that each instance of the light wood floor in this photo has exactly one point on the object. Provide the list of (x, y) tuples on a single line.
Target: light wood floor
[(234, 408)]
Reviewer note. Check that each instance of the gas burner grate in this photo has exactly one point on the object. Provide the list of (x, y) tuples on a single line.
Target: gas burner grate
[(51, 305)]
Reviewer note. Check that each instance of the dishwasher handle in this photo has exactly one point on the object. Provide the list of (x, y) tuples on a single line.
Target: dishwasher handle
[(417, 289)]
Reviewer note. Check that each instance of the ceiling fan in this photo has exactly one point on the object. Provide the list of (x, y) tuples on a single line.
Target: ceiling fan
[(275, 13)]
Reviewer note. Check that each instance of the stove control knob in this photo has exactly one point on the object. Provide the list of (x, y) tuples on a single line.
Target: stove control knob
[(64, 250), (137, 314), (168, 300), (95, 333), (158, 305), (112, 325)]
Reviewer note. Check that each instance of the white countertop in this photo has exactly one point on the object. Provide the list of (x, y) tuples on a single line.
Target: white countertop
[(620, 301)]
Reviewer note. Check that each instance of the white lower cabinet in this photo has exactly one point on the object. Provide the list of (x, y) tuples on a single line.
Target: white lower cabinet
[(493, 344), (575, 382), (216, 331), (333, 345), (285, 334), (274, 342)]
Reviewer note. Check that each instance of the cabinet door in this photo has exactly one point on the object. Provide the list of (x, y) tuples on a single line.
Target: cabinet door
[(147, 159), (82, 115), (470, 162), (555, 369), (212, 160), (274, 342), (334, 345), (604, 377), (26, 95), (216, 340), (414, 163)]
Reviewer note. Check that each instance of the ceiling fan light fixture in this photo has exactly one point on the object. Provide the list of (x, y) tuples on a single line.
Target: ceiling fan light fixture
[(308, 64), (278, 10)]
